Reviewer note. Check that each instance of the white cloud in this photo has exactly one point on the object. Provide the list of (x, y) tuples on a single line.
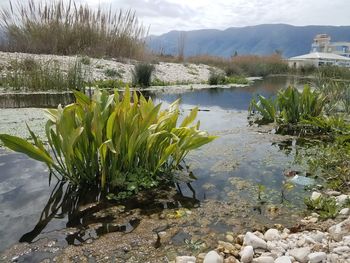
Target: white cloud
[(166, 15)]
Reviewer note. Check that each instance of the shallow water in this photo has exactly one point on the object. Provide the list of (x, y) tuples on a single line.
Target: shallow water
[(229, 171)]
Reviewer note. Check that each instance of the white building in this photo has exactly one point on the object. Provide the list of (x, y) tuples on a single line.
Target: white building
[(322, 43), (319, 59)]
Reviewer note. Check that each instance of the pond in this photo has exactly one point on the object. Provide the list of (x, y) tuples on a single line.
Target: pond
[(241, 184)]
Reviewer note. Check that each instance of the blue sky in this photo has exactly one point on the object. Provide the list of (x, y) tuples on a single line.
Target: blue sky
[(165, 15)]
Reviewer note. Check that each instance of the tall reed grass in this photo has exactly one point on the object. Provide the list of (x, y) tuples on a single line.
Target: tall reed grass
[(65, 28)]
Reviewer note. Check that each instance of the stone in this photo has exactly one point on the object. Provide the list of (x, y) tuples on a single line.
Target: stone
[(213, 257), (226, 247), (318, 236), (300, 254), (333, 193), (229, 238), (252, 240), (283, 259), (344, 211), (185, 259), (315, 196), (247, 254), (332, 258), (272, 234), (341, 250), (231, 259), (317, 257), (263, 259), (339, 230), (341, 199)]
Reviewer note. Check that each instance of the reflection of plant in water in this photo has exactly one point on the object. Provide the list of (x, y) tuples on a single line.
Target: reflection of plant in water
[(261, 189)]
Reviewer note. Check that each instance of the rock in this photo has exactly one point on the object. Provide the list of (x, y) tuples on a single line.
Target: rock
[(300, 254), (247, 254), (344, 211), (284, 259), (252, 240), (213, 257), (318, 237), (229, 238), (341, 250), (333, 193), (226, 247), (315, 196), (339, 230), (231, 259), (317, 257), (263, 259), (332, 258), (272, 234), (185, 259), (341, 199)]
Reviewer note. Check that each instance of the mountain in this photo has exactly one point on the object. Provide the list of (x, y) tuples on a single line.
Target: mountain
[(259, 40)]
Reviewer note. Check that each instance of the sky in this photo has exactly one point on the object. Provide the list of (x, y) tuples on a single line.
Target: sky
[(165, 15)]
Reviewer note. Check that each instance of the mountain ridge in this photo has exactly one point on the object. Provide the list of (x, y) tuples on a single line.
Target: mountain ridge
[(261, 39)]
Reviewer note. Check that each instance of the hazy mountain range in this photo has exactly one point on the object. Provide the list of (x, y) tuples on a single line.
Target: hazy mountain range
[(260, 40)]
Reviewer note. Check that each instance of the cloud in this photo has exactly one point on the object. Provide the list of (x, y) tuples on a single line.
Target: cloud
[(166, 15)]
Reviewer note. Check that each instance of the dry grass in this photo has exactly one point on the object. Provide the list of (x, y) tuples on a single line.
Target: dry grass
[(66, 28)]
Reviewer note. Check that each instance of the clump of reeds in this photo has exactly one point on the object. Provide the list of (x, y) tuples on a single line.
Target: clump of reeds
[(65, 28), (33, 75), (142, 74)]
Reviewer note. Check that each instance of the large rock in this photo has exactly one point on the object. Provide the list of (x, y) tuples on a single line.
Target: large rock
[(315, 196), (317, 257), (263, 259), (339, 230), (300, 254), (272, 234), (213, 257), (341, 199), (185, 259), (247, 254), (252, 240), (284, 259)]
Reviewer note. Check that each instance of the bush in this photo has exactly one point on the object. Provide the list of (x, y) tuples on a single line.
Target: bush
[(66, 28), (216, 78), (141, 74), (114, 144), (112, 73)]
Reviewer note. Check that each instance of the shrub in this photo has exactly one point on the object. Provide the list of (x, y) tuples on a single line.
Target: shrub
[(141, 74), (65, 28), (112, 143), (112, 73), (216, 78)]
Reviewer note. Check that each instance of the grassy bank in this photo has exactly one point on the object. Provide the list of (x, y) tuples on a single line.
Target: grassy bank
[(69, 28)]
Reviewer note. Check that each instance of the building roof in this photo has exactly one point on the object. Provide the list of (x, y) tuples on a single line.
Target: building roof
[(320, 55)]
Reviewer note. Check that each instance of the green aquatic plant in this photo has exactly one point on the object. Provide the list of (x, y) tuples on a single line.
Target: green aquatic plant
[(326, 207), (116, 144), (289, 108)]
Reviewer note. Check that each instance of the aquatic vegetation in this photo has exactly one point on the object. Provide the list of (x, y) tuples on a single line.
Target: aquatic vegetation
[(120, 145), (220, 79), (326, 207), (110, 84), (142, 73), (290, 106)]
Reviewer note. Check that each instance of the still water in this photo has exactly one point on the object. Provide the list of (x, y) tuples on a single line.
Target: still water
[(229, 171)]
